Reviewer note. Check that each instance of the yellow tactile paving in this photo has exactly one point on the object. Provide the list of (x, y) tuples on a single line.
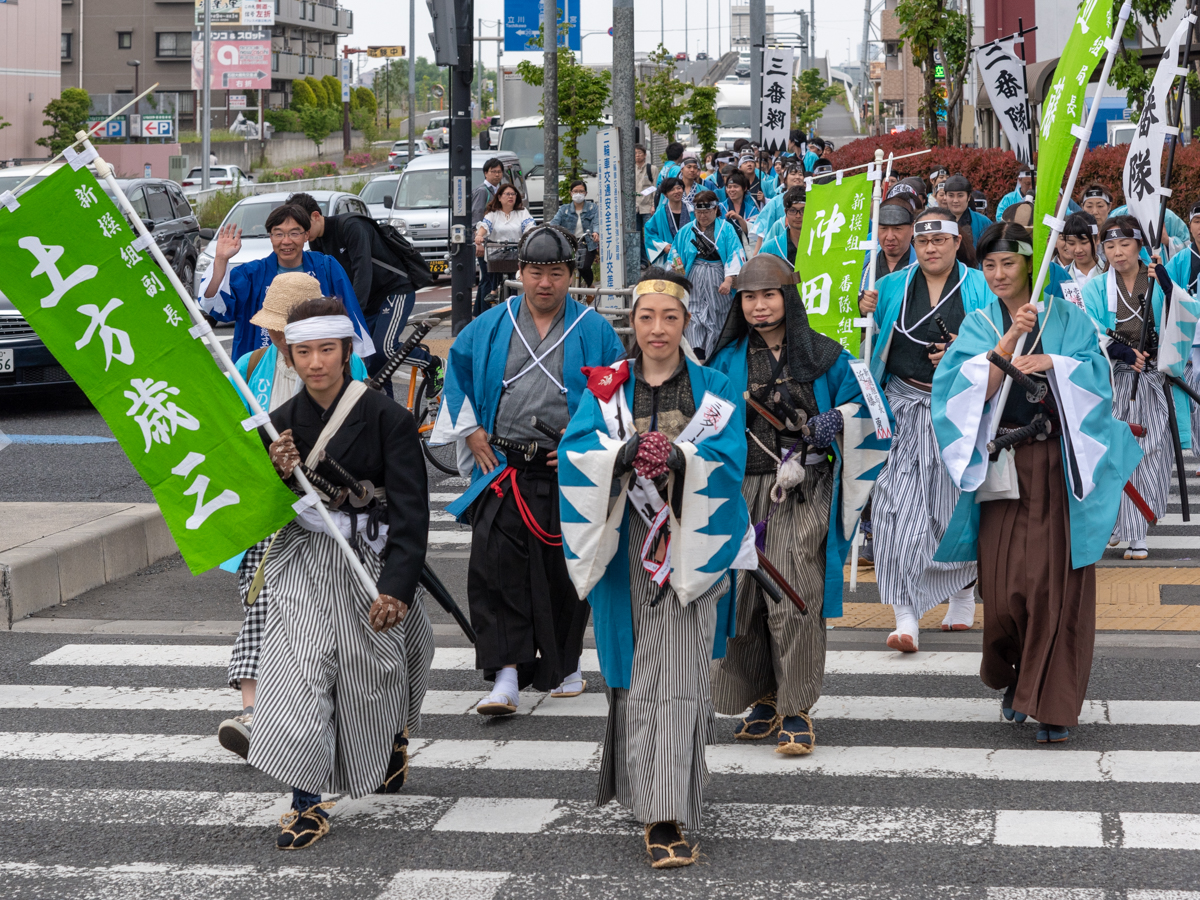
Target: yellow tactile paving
[(1127, 599)]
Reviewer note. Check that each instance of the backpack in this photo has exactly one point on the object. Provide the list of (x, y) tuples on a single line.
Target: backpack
[(412, 263)]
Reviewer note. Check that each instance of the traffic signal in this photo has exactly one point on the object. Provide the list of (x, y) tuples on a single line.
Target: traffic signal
[(444, 36)]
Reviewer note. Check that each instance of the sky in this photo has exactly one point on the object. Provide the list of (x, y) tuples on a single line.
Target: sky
[(385, 22)]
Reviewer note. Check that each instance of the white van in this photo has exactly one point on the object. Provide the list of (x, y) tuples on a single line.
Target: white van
[(733, 113), (525, 137)]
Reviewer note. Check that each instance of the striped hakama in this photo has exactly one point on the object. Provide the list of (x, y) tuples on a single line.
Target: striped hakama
[(911, 506), (777, 649), (243, 660), (1192, 376), (709, 307), (332, 692), (1152, 477), (653, 758)]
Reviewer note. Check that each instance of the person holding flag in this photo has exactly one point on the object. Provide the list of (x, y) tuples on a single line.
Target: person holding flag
[(914, 497), (1036, 541), (811, 456), (1022, 193)]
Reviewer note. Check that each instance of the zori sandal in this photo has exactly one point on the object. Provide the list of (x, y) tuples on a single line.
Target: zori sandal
[(667, 847), (796, 736), (762, 721)]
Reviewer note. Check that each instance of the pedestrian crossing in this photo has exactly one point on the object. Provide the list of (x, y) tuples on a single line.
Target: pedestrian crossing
[(113, 745)]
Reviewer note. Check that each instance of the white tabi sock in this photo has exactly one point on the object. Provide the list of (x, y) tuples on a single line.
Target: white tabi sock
[(506, 683), (906, 620), (962, 608), (573, 682)]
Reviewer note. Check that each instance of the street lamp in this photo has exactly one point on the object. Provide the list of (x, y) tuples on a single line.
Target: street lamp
[(588, 34), (136, 63)]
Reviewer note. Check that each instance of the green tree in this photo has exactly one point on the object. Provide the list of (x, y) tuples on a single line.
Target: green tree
[(65, 116), (333, 89), (302, 95), (316, 125), (391, 83), (702, 113), (931, 28), (365, 98), (582, 96), (810, 96), (319, 92), (657, 103), (1128, 74)]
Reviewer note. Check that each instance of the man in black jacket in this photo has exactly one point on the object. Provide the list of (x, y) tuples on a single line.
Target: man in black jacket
[(385, 292)]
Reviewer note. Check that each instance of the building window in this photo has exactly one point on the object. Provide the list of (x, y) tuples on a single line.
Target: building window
[(312, 12), (275, 68), (64, 50), (276, 13), (173, 43), (124, 40)]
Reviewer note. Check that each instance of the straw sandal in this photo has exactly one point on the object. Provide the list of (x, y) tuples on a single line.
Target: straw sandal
[(762, 721), (789, 737), (303, 829), (669, 855), (397, 770)]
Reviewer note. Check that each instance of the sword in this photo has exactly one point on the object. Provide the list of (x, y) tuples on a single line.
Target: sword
[(337, 495), (766, 565), (771, 418), (384, 375), (527, 450), (544, 428), (1039, 428), (360, 495), (429, 580), (1034, 391)]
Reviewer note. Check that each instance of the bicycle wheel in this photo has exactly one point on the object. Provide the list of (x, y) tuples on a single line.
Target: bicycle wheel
[(425, 410)]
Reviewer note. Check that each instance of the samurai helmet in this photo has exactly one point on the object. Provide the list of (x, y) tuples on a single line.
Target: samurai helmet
[(546, 245)]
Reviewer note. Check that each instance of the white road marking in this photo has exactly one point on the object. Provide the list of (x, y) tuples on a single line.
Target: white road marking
[(449, 537), (1049, 828), (500, 815), (443, 498), (1161, 831)]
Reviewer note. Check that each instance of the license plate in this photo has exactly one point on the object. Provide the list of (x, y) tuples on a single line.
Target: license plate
[(6, 362), (439, 267)]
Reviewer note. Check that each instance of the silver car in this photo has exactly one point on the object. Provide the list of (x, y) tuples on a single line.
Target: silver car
[(378, 194)]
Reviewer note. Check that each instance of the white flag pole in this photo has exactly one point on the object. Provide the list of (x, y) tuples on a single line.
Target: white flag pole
[(1056, 223), (876, 199), (203, 330)]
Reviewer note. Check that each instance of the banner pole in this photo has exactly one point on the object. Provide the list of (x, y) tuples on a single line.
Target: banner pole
[(202, 329), (1064, 201), (1193, 10), (866, 164), (876, 199)]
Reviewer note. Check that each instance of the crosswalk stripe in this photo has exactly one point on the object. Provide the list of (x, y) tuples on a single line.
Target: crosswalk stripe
[(437, 537), (550, 816), (838, 662), (443, 498), (1037, 765), (595, 705), (439, 515)]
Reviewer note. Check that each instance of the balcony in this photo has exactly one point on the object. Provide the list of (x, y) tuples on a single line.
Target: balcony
[(291, 66), (317, 15)]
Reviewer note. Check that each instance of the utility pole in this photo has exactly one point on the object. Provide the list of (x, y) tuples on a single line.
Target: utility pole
[(758, 35), (550, 110), (866, 44), (708, 29), (623, 89), (462, 246), (206, 125), (347, 77), (479, 64), (412, 76)]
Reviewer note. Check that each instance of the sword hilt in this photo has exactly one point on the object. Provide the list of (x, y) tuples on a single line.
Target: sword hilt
[(1039, 428), (1122, 339), (507, 444), (335, 493), (544, 428), (384, 375), (945, 332), (356, 488), (1035, 391)]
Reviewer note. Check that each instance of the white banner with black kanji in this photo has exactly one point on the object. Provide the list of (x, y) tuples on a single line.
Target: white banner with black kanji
[(776, 97), (1003, 75)]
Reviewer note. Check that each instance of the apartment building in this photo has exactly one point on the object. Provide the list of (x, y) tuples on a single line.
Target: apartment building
[(29, 34)]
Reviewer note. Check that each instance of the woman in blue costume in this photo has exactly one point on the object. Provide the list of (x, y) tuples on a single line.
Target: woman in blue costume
[(805, 485), (650, 474), (1184, 269), (1036, 515), (668, 218), (914, 497)]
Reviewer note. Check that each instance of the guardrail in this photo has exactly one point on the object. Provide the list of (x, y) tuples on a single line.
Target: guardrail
[(325, 183), (613, 312)]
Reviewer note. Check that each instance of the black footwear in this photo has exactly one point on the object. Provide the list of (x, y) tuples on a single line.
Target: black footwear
[(397, 770), (666, 846), (301, 829), (234, 734)]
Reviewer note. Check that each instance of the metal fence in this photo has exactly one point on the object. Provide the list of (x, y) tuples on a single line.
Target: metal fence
[(328, 183), (592, 294)]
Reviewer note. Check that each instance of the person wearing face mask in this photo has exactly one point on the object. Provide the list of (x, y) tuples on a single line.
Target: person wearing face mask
[(811, 449), (1117, 302), (671, 215), (1038, 532), (914, 497), (709, 252), (580, 217), (661, 594), (1022, 193), (970, 223)]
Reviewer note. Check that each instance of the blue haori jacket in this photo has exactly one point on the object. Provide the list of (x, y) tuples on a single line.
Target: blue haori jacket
[(711, 535), (475, 379), (1009, 199), (892, 290), (1099, 451), (241, 296), (660, 231), (1174, 337), (858, 454), (729, 246)]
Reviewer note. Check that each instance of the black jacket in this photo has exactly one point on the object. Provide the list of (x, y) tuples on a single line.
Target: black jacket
[(377, 443), (354, 242)]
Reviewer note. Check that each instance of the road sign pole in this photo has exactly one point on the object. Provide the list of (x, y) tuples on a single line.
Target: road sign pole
[(550, 110), (205, 125), (462, 241), (412, 77), (346, 77), (623, 88)]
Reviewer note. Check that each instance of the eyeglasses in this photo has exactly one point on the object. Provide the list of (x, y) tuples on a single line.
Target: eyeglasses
[(796, 211), (279, 235), (940, 241), (705, 207)]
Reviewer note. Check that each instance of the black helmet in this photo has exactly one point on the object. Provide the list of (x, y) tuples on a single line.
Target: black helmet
[(545, 245)]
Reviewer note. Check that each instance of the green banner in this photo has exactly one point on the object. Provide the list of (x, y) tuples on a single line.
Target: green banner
[(1065, 107), (111, 319), (829, 257)]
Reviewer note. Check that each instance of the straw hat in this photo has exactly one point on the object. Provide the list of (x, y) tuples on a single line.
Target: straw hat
[(286, 292)]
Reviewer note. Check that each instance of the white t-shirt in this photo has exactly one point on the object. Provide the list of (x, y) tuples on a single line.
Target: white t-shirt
[(502, 226)]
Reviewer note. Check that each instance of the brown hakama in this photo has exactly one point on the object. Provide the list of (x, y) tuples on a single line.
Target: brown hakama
[(1039, 614)]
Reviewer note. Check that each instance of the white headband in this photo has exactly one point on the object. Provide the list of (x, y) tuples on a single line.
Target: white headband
[(933, 226), (319, 328)]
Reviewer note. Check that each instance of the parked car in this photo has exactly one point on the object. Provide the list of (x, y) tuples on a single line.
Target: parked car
[(218, 176), (398, 154), (493, 130), (378, 193), (169, 218), (250, 214), (420, 208), (15, 175), (437, 133)]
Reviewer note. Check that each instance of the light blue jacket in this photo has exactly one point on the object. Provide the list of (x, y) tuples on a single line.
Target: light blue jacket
[(567, 218)]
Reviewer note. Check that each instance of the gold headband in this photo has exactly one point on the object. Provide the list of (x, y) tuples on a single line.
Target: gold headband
[(660, 286)]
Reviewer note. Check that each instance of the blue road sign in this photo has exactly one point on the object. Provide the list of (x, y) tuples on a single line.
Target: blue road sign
[(523, 18)]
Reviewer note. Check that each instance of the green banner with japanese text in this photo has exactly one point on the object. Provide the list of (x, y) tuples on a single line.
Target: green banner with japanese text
[(1064, 107), (103, 308), (829, 256)]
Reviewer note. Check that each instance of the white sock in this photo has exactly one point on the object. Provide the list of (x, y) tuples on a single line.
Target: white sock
[(1138, 545), (907, 621), (574, 678), (506, 682), (962, 608)]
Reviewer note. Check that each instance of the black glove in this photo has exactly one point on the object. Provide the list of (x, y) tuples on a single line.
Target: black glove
[(676, 462), (626, 456)]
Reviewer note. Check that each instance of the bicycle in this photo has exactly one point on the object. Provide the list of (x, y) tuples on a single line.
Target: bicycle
[(501, 257), (424, 399)]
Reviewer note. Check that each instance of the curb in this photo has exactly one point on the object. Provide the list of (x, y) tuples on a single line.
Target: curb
[(63, 565)]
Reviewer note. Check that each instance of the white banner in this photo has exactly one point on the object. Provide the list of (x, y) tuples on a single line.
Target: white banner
[(608, 225), (776, 97), (1003, 74), (1142, 179)]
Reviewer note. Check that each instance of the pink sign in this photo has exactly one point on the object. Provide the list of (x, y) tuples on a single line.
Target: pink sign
[(241, 60)]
